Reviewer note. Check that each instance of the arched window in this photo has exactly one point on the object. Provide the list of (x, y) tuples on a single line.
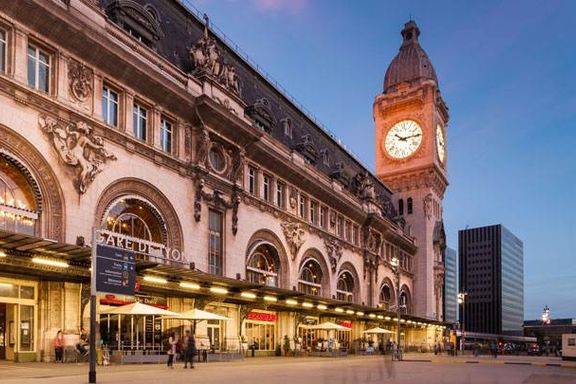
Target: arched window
[(262, 267), (18, 210), (401, 207), (345, 287), (405, 301), (310, 281), (385, 297), (136, 218), (409, 205)]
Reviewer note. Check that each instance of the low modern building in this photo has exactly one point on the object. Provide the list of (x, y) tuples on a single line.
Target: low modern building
[(133, 118), (491, 274), (549, 333)]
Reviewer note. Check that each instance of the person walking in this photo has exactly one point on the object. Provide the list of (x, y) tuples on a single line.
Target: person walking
[(59, 346), (172, 342), (190, 349)]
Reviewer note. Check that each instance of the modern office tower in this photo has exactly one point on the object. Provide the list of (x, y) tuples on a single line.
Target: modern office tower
[(492, 276), (450, 285)]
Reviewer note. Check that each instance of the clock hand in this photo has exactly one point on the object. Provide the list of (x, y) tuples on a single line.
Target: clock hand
[(409, 137), (400, 137)]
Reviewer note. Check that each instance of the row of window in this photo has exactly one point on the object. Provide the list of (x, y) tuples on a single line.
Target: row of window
[(274, 191), (40, 72)]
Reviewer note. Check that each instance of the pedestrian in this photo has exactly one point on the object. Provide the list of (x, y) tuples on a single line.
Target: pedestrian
[(190, 349), (172, 342), (476, 349), (59, 346), (82, 344)]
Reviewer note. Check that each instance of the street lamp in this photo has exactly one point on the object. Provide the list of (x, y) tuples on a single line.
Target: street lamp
[(396, 269), (546, 315), (462, 301)]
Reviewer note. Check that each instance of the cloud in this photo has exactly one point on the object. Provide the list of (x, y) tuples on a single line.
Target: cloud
[(292, 6)]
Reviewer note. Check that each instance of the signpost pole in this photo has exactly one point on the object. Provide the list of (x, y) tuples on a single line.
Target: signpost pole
[(93, 325)]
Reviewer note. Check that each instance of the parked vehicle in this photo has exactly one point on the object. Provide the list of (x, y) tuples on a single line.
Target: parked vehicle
[(534, 349)]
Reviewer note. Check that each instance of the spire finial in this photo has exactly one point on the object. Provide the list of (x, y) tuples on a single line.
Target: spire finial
[(206, 25)]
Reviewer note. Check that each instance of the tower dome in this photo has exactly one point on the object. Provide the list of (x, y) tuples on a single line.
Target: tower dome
[(411, 63)]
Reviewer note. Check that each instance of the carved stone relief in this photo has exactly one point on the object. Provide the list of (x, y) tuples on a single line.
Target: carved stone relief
[(428, 206), (202, 147), (364, 186), (238, 162), (216, 198), (293, 199), (207, 59), (295, 236), (334, 251), (78, 147), (80, 80)]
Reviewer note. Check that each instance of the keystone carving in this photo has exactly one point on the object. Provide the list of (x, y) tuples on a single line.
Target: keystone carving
[(80, 79), (207, 59), (334, 251), (216, 198), (78, 147), (295, 237)]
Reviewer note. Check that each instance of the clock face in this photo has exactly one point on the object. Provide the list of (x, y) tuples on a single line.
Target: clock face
[(403, 139), (440, 143)]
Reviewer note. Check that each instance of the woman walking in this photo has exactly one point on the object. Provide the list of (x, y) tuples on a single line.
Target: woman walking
[(59, 346), (172, 342)]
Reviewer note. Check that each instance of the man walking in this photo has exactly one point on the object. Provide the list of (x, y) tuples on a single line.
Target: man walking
[(190, 349)]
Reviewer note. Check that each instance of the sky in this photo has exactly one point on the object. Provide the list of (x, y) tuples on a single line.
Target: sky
[(507, 70)]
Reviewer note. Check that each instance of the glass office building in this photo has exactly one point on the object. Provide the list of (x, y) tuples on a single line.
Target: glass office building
[(450, 286)]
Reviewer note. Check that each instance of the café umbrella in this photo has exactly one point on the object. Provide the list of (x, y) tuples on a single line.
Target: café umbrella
[(137, 309), (378, 331), (195, 315), (328, 326)]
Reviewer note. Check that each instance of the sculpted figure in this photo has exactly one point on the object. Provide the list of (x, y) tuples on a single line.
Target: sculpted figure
[(203, 147)]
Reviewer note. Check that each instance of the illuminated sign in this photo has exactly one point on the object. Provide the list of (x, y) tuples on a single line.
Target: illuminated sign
[(259, 316)]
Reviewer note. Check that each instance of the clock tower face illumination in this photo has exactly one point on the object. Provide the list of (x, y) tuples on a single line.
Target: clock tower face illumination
[(403, 139), (440, 143)]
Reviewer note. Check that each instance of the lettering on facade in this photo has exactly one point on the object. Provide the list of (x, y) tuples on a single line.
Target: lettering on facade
[(259, 316), (79, 148), (141, 246)]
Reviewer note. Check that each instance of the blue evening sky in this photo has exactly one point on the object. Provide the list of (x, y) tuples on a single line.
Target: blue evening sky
[(507, 70)]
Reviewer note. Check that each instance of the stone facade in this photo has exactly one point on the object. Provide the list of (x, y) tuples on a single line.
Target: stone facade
[(126, 120)]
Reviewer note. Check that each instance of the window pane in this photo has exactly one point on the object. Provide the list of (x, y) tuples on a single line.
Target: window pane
[(31, 67), (26, 327), (2, 51), (8, 290), (26, 292), (43, 77)]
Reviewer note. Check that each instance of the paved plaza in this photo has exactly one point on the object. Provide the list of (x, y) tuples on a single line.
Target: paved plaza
[(426, 369)]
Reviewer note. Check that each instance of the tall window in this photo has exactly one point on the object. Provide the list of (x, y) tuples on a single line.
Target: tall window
[(280, 192), (215, 254), (262, 266), (266, 187), (409, 205), (401, 207), (139, 122), (323, 216), (110, 106), (2, 51), (385, 297), (302, 206), (340, 226), (310, 281), (38, 69), (166, 135), (252, 180), (313, 212), (345, 287), (355, 234), (348, 230), (17, 204)]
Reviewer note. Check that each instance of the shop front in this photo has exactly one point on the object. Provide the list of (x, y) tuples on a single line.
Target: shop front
[(260, 332), (18, 319)]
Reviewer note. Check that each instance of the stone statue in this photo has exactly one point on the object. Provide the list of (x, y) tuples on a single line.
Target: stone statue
[(202, 147), (78, 147), (364, 186), (428, 205)]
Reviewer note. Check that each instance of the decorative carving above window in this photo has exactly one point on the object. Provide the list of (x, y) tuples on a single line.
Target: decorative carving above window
[(334, 251), (295, 236), (340, 174), (364, 188), (261, 115), (78, 147), (136, 20), (307, 148), (208, 60)]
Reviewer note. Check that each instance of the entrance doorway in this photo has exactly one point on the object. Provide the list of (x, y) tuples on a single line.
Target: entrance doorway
[(2, 331)]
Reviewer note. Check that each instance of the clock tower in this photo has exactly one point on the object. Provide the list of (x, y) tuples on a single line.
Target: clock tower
[(411, 121)]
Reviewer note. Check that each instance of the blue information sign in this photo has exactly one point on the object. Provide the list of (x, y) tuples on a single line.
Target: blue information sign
[(115, 270)]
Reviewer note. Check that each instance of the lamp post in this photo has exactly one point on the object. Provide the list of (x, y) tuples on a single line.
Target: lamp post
[(462, 301), (396, 269), (546, 315)]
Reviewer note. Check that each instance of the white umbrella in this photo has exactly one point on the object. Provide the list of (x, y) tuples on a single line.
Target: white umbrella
[(328, 326), (137, 309), (378, 330), (196, 315)]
